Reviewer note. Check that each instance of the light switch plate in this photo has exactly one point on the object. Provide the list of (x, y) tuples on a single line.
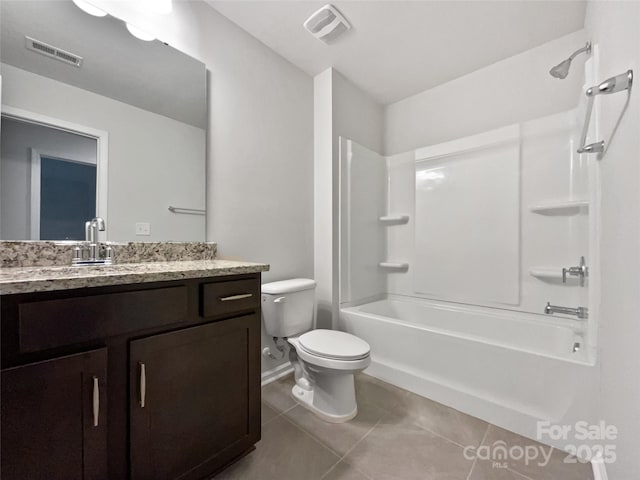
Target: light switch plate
[(143, 228)]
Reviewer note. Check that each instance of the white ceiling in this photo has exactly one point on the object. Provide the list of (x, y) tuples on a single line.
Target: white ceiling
[(398, 48)]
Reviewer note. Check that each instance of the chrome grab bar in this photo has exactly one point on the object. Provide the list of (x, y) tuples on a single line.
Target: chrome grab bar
[(616, 84), (580, 312)]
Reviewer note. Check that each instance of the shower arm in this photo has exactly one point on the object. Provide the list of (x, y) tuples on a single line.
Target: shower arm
[(616, 84), (586, 49)]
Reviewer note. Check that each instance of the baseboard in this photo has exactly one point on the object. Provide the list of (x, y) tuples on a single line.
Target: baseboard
[(276, 373), (599, 470)]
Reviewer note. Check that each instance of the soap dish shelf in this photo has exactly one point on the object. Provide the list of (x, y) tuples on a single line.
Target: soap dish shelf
[(394, 219), (394, 266), (561, 208), (546, 273)]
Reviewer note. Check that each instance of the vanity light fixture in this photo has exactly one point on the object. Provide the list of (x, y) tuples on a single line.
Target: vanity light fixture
[(138, 33), (87, 7), (158, 6)]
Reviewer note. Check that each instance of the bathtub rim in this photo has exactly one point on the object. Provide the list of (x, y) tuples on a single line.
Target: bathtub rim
[(588, 357)]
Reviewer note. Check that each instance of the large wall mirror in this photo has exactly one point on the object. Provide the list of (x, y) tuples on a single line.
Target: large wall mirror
[(97, 122)]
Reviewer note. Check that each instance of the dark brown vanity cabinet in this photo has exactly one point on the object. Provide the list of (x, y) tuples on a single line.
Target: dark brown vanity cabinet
[(191, 410), (54, 416), (147, 382)]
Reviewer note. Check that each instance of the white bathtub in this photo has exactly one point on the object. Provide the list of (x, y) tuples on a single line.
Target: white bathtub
[(505, 367)]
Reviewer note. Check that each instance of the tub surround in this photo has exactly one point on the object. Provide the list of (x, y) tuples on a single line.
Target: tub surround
[(49, 253)]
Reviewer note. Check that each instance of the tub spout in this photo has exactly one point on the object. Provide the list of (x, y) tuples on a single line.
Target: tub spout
[(580, 312)]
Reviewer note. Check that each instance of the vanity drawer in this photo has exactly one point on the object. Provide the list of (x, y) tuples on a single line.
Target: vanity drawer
[(56, 323), (221, 298)]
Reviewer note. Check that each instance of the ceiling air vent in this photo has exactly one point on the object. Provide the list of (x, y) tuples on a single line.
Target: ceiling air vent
[(327, 24), (53, 52)]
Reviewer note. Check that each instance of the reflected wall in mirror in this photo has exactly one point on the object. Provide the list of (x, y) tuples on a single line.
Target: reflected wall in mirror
[(115, 128)]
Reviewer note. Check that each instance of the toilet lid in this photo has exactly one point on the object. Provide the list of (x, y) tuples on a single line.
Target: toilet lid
[(334, 344)]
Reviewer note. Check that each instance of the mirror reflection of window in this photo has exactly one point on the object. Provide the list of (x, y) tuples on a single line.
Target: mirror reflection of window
[(67, 198)]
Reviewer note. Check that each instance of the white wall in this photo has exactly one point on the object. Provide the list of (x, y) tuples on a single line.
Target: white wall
[(259, 177), (341, 110), (510, 91), (150, 168), (356, 115), (323, 191), (613, 26), (15, 169)]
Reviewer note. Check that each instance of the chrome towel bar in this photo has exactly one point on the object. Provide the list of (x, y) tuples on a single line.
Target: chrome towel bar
[(187, 211)]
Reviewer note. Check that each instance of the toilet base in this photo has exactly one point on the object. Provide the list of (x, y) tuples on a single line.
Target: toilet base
[(332, 398)]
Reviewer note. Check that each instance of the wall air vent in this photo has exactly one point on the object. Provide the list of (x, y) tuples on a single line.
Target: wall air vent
[(327, 24), (53, 52)]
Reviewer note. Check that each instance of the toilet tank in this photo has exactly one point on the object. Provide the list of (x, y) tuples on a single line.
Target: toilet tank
[(288, 306)]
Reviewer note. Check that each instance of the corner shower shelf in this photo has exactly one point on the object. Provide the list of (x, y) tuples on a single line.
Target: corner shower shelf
[(396, 267), (566, 207), (546, 273), (394, 219)]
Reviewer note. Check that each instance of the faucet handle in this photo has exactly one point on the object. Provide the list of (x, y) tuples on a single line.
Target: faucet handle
[(581, 271), (99, 223)]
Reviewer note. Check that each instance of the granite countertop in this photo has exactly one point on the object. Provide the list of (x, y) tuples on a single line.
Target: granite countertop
[(40, 279)]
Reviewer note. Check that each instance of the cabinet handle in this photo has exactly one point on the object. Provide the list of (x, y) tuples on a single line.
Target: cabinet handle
[(143, 384), (236, 297), (96, 401)]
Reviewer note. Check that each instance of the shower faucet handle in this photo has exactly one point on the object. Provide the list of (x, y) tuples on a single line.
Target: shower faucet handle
[(581, 271)]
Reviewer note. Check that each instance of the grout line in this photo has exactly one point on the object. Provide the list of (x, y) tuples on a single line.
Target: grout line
[(310, 435), (486, 433), (343, 457), (473, 465), (361, 439), (519, 474), (309, 432), (355, 445), (475, 460), (421, 427), (330, 470), (289, 409)]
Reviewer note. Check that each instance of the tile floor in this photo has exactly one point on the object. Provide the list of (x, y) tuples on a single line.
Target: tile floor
[(396, 436)]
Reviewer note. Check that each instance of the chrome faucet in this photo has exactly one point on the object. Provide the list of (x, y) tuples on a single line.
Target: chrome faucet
[(88, 252), (580, 312), (91, 230)]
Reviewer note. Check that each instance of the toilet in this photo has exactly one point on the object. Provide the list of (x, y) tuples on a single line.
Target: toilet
[(324, 361)]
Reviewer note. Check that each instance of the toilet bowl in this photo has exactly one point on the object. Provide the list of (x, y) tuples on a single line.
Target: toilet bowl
[(324, 361)]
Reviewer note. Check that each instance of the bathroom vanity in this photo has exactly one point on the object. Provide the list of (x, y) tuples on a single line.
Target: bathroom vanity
[(153, 374)]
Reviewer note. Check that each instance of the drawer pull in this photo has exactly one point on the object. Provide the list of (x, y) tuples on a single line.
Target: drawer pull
[(96, 401), (143, 384), (236, 297)]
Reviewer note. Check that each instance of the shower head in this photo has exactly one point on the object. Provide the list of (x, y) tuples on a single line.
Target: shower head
[(562, 69)]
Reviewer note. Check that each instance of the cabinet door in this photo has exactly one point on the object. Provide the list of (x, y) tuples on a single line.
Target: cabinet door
[(54, 419), (195, 399)]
